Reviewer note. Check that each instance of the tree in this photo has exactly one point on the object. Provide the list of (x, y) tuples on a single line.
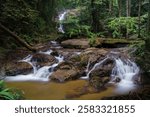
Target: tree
[(120, 7), (148, 30), (95, 17), (139, 18), (111, 7), (128, 7)]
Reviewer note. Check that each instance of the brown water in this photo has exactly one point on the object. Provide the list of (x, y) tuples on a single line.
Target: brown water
[(57, 91)]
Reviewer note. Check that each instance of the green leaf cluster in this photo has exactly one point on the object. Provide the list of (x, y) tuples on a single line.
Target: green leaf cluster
[(9, 93)]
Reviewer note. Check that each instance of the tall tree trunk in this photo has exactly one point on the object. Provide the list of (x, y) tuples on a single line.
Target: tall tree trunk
[(128, 8), (95, 18), (128, 12), (148, 26), (111, 7), (139, 18), (17, 38), (120, 7), (148, 30)]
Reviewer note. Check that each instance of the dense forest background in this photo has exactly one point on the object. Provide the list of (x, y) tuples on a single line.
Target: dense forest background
[(36, 21)]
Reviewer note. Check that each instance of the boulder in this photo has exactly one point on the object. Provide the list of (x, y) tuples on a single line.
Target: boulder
[(43, 60), (18, 68), (65, 71), (104, 70), (76, 43), (98, 83)]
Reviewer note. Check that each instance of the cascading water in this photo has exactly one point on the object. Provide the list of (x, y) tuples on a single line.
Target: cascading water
[(126, 71), (61, 18), (95, 66), (38, 74), (41, 74)]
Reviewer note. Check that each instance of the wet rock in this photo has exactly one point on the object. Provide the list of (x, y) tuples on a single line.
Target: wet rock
[(65, 71), (104, 70), (68, 53), (98, 82), (18, 68), (76, 43), (117, 80), (43, 60), (55, 53)]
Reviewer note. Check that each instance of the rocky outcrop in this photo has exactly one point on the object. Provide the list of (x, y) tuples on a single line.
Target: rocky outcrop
[(113, 43), (43, 60), (76, 43), (98, 82), (104, 70), (101, 75), (65, 71), (18, 68)]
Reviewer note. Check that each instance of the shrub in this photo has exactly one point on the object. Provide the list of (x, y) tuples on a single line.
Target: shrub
[(9, 93)]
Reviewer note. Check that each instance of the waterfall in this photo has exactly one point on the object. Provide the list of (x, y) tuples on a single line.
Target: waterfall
[(94, 67), (38, 74), (28, 60), (61, 18), (126, 71)]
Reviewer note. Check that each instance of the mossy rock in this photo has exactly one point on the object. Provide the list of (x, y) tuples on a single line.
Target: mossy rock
[(98, 82)]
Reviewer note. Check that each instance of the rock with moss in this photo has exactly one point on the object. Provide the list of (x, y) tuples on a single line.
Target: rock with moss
[(43, 60), (76, 43), (64, 72), (17, 68), (98, 82)]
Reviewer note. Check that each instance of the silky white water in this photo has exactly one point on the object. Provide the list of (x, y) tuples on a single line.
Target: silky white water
[(127, 71), (61, 18), (94, 67), (38, 74)]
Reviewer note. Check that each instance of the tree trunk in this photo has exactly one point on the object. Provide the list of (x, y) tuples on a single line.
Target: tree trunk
[(17, 38), (147, 43), (111, 7), (139, 19), (95, 18), (128, 12), (120, 7), (128, 8), (148, 26)]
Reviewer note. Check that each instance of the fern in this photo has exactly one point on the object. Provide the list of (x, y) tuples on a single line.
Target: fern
[(9, 93)]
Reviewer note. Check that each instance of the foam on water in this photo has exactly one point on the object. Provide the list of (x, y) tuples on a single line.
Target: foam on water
[(41, 74), (61, 18)]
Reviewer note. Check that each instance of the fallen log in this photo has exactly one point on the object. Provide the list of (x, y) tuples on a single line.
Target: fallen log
[(17, 38)]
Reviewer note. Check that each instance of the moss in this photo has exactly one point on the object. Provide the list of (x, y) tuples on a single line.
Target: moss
[(102, 42)]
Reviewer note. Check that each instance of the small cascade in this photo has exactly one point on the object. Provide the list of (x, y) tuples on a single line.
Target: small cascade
[(28, 60), (61, 18), (55, 45), (94, 67), (41, 74), (87, 67), (46, 52), (127, 71)]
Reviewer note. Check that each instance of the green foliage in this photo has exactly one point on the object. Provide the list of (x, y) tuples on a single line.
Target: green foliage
[(28, 19), (19, 16), (140, 47), (121, 25), (9, 93)]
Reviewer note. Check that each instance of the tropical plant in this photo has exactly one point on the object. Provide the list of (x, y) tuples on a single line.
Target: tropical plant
[(9, 93), (120, 25)]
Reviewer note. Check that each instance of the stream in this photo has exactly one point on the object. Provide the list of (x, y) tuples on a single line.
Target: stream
[(39, 85)]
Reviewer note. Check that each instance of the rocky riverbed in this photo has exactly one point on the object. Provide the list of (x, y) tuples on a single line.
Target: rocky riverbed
[(78, 60)]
